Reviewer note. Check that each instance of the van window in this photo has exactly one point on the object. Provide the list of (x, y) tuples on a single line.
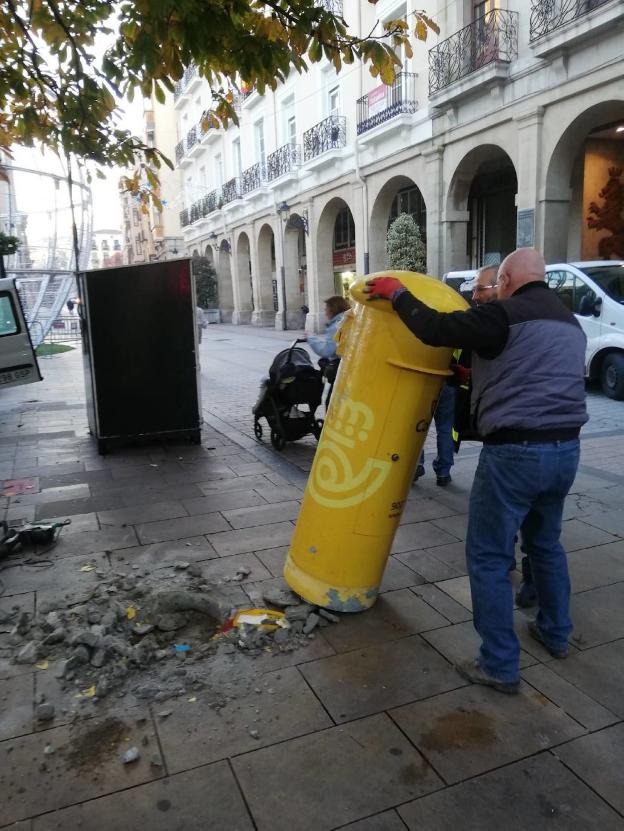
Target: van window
[(8, 319), (573, 292), (610, 278)]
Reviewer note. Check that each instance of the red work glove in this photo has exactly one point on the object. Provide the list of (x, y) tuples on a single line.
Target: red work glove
[(382, 287), (461, 375)]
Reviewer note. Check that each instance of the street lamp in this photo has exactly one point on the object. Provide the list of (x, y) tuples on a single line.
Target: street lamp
[(283, 211)]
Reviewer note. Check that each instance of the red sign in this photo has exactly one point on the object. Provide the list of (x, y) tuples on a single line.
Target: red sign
[(377, 100), (345, 256)]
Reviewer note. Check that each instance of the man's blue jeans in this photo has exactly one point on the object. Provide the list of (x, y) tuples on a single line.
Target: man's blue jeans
[(444, 417), (519, 485)]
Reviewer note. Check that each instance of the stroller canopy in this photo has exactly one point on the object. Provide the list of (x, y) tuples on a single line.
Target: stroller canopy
[(290, 363)]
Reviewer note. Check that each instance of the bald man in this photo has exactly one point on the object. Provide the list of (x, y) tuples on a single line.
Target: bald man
[(528, 405)]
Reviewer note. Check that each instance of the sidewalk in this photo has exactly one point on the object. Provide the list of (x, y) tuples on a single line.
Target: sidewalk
[(363, 724)]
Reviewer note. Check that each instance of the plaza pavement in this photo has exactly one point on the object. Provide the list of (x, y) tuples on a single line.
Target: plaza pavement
[(369, 727)]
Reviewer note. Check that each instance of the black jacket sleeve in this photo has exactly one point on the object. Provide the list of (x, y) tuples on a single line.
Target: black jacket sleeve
[(484, 328)]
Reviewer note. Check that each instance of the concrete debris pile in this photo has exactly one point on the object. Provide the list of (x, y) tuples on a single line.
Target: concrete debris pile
[(153, 634)]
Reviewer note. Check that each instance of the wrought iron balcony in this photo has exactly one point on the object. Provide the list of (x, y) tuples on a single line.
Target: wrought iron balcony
[(184, 218), (189, 73), (284, 160), (333, 6), (191, 138), (326, 135), (231, 190), (548, 15), (196, 211), (253, 178), (491, 38), (179, 151), (385, 102), (210, 202)]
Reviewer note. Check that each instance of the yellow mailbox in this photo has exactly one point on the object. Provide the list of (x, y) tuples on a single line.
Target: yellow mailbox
[(381, 407)]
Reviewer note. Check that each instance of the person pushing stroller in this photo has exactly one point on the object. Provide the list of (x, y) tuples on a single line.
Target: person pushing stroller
[(324, 345)]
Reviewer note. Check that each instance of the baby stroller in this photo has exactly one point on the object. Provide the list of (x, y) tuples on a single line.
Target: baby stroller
[(293, 381)]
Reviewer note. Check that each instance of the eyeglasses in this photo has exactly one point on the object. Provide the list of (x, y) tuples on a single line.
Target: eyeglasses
[(478, 289)]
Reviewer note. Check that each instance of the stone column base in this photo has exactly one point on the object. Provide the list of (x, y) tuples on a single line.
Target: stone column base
[(241, 317), (263, 319), (226, 315)]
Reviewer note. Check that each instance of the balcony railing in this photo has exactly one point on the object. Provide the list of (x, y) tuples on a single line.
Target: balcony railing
[(179, 151), (189, 73), (184, 218), (385, 102), (283, 160), (548, 15), (210, 202), (326, 135), (231, 190), (191, 138), (333, 6), (491, 38), (253, 178)]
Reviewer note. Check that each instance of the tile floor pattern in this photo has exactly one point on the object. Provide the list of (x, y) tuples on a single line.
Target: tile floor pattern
[(369, 728)]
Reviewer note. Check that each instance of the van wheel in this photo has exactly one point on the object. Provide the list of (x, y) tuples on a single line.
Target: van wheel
[(612, 376)]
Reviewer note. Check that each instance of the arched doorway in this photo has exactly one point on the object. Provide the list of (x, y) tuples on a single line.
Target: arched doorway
[(224, 273), (295, 271), (335, 248), (245, 303), (267, 291), (583, 209), (398, 196), (483, 189)]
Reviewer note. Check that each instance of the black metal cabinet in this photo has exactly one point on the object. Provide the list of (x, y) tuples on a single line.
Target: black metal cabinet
[(140, 352)]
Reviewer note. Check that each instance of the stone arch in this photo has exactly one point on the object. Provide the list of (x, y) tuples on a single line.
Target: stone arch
[(224, 274), (400, 194), (266, 273), (576, 171), (295, 271), (245, 300), (332, 261), (480, 211)]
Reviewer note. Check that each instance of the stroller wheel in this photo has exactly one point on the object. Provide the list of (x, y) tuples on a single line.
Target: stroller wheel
[(258, 430), (277, 440), (317, 428)]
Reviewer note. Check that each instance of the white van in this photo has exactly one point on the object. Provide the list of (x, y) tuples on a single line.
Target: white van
[(18, 364), (454, 279), (594, 291)]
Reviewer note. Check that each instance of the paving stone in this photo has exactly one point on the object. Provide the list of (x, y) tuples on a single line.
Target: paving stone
[(200, 734), (142, 513), (474, 729), (79, 523), (271, 660), (16, 706), (341, 775), (419, 509), (568, 697), (54, 495), (577, 534), (273, 559), (398, 576), (610, 521), (148, 495), (100, 502), (219, 568), (64, 575), (173, 529), (262, 515), (394, 615), (457, 525), (284, 493), (165, 554), (206, 799), (388, 821), (442, 603), (252, 539), (222, 502), (598, 616), (375, 678), (599, 673), (461, 642), (597, 760), (86, 764), (418, 535), (534, 793), (591, 568), (87, 542), (427, 565), (235, 484), (459, 589)]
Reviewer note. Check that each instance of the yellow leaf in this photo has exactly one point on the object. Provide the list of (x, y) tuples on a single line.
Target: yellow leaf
[(42, 665), (192, 700), (88, 567), (130, 612), (88, 693), (421, 29)]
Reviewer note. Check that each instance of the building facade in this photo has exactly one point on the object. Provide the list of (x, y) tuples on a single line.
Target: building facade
[(506, 130)]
